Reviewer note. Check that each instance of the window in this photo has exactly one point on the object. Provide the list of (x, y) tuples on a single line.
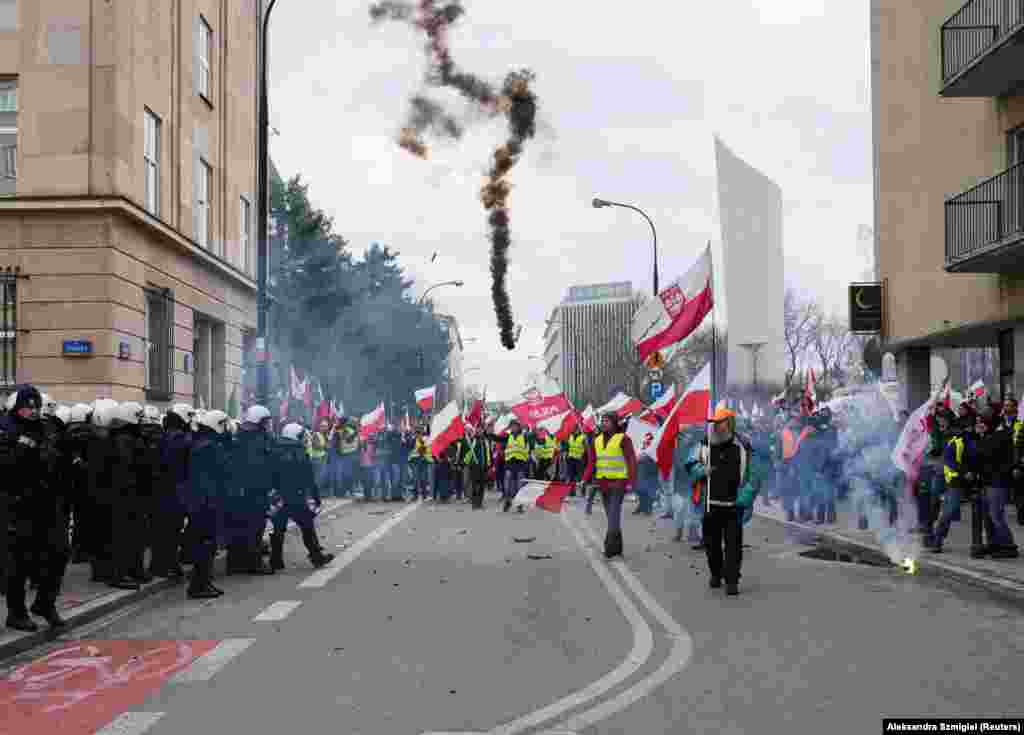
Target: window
[(151, 157), (204, 175), (8, 136), (159, 343), (245, 235), (204, 44), (8, 95)]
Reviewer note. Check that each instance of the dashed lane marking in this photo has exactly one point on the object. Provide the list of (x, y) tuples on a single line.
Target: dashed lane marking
[(321, 577), (207, 666), (131, 723), (277, 611)]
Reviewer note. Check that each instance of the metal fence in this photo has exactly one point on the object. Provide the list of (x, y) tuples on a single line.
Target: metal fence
[(8, 327), (974, 29), (990, 213)]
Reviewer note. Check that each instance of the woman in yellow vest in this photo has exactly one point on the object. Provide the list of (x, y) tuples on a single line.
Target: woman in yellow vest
[(517, 458), (422, 462), (611, 461), (575, 457), (317, 451)]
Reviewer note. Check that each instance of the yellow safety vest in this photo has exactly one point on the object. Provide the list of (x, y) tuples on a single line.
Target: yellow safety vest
[(515, 450), (470, 456), (1018, 427), (547, 449), (949, 473), (577, 446), (611, 462), (423, 449), (349, 442), (317, 447)]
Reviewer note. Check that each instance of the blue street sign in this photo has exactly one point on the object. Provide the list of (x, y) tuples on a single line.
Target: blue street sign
[(657, 390), (77, 347)]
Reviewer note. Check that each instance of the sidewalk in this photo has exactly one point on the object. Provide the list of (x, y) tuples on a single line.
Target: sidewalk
[(1004, 578), (82, 601)]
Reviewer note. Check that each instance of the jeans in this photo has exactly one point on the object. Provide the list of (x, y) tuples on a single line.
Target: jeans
[(997, 499), (950, 507), (613, 508), (514, 473), (421, 474)]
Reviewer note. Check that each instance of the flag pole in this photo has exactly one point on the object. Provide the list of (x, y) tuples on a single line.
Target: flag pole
[(714, 373)]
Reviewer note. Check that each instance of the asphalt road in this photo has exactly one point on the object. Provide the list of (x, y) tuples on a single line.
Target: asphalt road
[(434, 620)]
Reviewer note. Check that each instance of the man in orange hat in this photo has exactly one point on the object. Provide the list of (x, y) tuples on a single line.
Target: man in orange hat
[(725, 463)]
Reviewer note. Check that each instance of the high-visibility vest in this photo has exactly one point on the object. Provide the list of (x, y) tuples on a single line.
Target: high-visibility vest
[(611, 462), (470, 457), (423, 449), (317, 447), (515, 449), (791, 444), (1018, 428), (577, 446), (547, 449), (957, 442), (349, 442)]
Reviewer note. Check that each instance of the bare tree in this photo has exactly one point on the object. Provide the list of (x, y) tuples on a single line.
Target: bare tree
[(830, 340), (799, 315)]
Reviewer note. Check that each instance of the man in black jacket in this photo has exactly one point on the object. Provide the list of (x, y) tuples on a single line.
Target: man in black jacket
[(255, 466), (725, 465), (171, 492), (129, 479), (294, 480)]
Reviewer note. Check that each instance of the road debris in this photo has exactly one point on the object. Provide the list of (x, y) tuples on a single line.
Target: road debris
[(524, 539)]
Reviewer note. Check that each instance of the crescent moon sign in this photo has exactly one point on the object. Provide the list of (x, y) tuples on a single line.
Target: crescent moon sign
[(859, 301)]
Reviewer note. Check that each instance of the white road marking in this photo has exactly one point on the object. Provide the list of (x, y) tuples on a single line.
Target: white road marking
[(206, 666), (678, 658), (277, 611), (321, 577), (131, 723), (643, 646)]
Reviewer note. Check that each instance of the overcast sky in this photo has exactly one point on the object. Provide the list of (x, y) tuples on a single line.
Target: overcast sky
[(630, 96)]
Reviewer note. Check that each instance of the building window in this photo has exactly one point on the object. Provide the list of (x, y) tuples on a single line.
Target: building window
[(8, 136), (245, 234), (204, 46), (159, 343), (151, 157), (8, 95), (204, 176)]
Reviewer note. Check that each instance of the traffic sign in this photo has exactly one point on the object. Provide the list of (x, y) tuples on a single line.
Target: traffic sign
[(657, 390), (655, 375)]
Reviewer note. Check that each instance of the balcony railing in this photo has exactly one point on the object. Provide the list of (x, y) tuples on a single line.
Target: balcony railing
[(978, 28), (986, 220)]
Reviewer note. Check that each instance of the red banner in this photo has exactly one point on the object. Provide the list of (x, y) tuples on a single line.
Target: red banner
[(535, 411)]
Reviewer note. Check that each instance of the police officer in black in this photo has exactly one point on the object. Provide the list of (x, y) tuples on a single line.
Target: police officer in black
[(77, 438), (295, 482), (25, 487), (206, 491), (254, 461), (171, 492)]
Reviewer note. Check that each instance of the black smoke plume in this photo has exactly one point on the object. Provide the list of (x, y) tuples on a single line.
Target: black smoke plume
[(516, 101)]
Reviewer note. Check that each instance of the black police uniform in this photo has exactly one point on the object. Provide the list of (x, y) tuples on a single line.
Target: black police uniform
[(295, 482)]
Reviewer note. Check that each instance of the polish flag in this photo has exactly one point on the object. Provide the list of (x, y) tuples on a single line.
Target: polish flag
[(622, 405), (425, 398), (544, 495), (978, 390), (560, 426), (678, 310), (691, 409), (663, 406), (501, 425), (642, 434), (589, 419), (372, 423), (475, 416), (446, 428)]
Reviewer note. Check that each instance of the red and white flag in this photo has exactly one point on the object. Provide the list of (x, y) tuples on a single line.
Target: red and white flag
[(678, 310), (691, 409), (622, 405), (978, 391), (501, 425), (446, 428), (560, 426), (425, 398), (642, 434), (475, 415), (589, 419), (908, 453), (662, 407), (372, 423), (544, 495)]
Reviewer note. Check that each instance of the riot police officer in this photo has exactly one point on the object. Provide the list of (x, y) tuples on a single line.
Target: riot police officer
[(255, 463), (171, 492), (77, 438), (129, 480), (206, 489), (295, 482), (23, 465)]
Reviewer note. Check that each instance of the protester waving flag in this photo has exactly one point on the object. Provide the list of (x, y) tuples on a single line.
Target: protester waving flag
[(542, 494)]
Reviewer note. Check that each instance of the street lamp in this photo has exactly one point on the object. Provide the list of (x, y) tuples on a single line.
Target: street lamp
[(457, 284), (599, 203), (262, 214)]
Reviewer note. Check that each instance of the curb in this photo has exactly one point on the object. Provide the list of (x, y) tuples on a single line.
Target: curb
[(1007, 590), (13, 643)]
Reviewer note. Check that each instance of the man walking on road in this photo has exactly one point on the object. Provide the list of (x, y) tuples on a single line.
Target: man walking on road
[(612, 462)]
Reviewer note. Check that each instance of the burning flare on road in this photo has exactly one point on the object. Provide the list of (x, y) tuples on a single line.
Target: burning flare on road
[(516, 101), (909, 565)]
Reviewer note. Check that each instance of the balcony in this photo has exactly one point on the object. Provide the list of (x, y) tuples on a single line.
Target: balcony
[(983, 49), (985, 226)]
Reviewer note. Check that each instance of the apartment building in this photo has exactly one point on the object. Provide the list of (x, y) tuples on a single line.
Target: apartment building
[(127, 185), (948, 134), (587, 347)]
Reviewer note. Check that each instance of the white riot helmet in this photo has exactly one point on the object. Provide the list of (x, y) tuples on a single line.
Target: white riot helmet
[(214, 420), (63, 414), (183, 411), (293, 432), (152, 416), (49, 406), (80, 413), (130, 412), (232, 426), (103, 411), (256, 415), (11, 400)]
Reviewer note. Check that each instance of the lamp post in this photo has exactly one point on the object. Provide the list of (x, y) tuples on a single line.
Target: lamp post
[(262, 214), (423, 298), (599, 203)]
